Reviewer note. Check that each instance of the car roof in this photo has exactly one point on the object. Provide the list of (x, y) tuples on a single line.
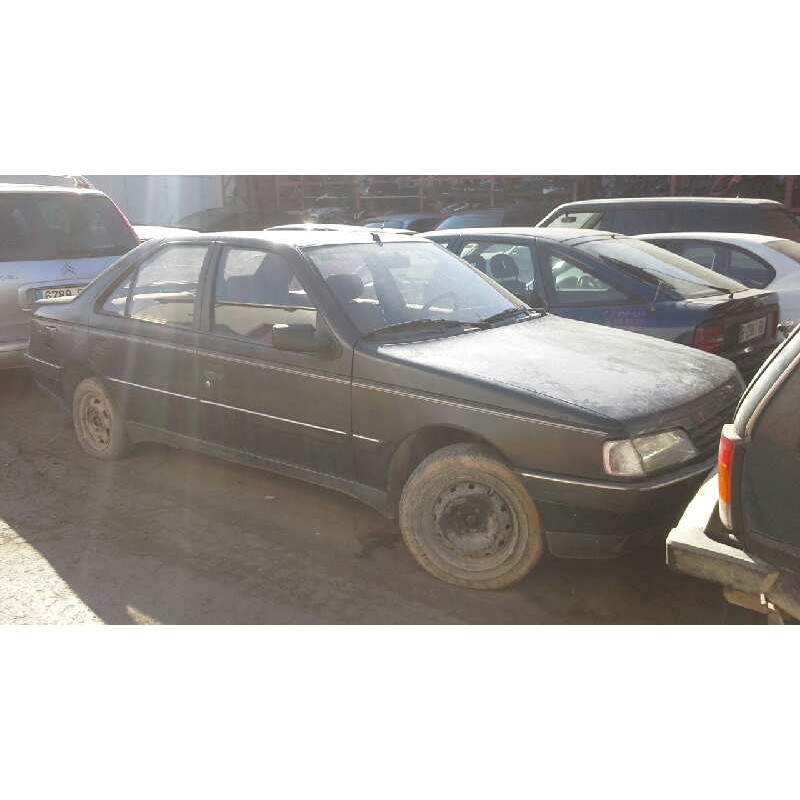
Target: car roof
[(714, 236), (609, 201), (553, 234), (301, 238), (36, 188)]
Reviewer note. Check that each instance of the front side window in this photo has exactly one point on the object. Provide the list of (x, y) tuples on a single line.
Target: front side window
[(576, 285), (511, 265), (255, 290), (166, 284), (386, 284)]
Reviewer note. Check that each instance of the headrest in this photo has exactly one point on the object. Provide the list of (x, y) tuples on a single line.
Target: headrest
[(503, 265), (346, 287)]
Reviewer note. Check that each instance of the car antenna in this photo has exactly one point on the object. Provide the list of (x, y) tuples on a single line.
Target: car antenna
[(376, 237)]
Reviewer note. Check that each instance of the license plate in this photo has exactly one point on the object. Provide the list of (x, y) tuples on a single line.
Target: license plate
[(61, 291), (752, 330)]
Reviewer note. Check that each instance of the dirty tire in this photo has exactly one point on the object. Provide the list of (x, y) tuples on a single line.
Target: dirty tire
[(98, 425), (468, 520)]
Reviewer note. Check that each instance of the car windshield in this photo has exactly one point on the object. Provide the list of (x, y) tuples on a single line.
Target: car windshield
[(44, 226), (659, 267), (788, 248), (398, 283)]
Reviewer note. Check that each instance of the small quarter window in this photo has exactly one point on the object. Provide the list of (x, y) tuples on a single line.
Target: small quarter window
[(116, 303)]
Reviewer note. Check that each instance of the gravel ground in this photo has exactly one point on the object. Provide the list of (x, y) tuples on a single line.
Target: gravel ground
[(172, 537)]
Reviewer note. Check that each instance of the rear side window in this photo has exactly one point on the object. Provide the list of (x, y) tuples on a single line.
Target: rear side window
[(166, 284), (747, 269), (704, 254), (49, 226), (705, 217), (642, 219)]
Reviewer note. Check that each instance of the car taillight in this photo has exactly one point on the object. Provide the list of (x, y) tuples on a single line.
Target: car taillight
[(710, 336), (728, 442)]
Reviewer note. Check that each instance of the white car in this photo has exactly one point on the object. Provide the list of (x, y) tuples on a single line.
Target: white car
[(753, 259), (147, 232)]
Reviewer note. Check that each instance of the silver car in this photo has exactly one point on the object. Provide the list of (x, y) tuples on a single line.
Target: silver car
[(53, 241)]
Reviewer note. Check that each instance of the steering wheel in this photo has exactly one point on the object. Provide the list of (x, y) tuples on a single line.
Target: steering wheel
[(427, 307)]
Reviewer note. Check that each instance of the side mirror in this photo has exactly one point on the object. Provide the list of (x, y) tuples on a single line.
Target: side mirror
[(534, 299), (301, 339)]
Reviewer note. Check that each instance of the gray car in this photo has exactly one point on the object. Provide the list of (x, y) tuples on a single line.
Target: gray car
[(53, 241)]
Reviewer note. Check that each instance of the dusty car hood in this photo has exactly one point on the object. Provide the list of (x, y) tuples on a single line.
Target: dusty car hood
[(605, 372)]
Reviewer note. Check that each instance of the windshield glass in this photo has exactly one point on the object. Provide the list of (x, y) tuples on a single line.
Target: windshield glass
[(40, 227), (676, 275), (788, 248), (380, 285)]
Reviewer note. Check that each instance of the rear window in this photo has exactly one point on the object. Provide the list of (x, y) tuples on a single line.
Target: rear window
[(674, 275), (485, 219), (40, 227)]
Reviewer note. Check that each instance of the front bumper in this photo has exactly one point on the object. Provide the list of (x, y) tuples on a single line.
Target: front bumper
[(603, 519), (12, 354)]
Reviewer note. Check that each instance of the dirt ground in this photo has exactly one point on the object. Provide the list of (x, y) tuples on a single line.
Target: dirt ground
[(172, 537)]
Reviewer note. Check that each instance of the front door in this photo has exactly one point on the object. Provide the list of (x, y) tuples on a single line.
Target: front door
[(292, 408)]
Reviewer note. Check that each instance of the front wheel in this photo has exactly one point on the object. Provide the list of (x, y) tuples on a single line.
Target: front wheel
[(98, 424), (468, 520)]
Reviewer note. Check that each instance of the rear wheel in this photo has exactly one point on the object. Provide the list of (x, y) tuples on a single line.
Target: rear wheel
[(468, 520), (98, 425)]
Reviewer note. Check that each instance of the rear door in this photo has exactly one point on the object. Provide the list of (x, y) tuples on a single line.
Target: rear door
[(143, 339), (293, 408), (52, 244)]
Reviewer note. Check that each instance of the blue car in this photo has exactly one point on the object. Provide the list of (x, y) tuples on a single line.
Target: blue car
[(624, 282)]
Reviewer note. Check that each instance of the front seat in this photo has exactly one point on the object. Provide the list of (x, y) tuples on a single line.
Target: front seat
[(504, 270), (347, 289)]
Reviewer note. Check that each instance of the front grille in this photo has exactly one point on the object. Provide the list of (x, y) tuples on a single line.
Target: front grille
[(705, 436)]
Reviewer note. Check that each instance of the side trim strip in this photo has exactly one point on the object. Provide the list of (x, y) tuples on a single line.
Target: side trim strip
[(270, 416), (367, 439), (151, 389), (270, 366), (42, 361), (467, 407)]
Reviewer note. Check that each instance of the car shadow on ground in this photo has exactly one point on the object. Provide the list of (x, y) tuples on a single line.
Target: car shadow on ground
[(174, 537)]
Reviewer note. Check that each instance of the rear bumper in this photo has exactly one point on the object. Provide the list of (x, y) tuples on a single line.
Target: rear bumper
[(597, 519), (12, 354)]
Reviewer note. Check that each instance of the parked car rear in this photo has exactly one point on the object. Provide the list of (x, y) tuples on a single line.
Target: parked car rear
[(742, 530), (53, 241), (633, 216), (761, 262), (626, 283)]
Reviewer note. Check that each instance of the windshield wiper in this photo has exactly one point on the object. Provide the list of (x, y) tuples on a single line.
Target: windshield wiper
[(421, 324), (506, 313)]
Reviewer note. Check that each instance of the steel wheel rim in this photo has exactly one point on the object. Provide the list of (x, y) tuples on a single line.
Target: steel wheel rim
[(96, 417), (476, 528)]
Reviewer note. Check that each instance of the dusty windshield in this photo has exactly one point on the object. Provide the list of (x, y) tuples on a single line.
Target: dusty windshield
[(381, 285), (675, 275)]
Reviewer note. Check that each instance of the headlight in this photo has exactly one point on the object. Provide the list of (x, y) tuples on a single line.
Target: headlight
[(645, 454)]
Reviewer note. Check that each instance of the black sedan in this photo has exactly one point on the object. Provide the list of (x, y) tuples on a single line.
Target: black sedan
[(624, 282), (385, 367)]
